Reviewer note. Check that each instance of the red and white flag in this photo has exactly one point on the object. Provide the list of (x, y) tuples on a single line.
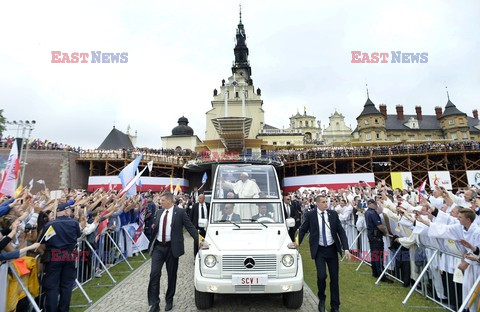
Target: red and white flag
[(10, 175), (421, 190)]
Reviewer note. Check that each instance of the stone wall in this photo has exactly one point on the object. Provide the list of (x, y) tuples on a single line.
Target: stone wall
[(57, 168)]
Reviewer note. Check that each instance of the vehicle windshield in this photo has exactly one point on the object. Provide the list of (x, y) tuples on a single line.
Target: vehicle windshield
[(246, 213), (245, 181)]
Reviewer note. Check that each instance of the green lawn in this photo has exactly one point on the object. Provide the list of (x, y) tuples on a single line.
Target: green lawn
[(97, 288), (358, 291)]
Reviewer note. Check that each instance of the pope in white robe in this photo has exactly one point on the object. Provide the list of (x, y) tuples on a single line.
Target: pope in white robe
[(244, 188)]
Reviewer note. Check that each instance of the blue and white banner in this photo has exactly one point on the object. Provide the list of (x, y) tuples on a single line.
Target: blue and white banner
[(473, 178)]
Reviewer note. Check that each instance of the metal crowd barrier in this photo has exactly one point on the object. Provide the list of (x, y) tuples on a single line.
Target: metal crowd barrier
[(90, 263), (97, 261), (13, 271), (431, 261)]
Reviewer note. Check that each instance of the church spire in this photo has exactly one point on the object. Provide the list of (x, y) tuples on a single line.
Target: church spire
[(241, 65), (240, 13)]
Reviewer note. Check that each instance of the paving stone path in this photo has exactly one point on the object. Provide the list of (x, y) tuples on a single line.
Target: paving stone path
[(131, 293)]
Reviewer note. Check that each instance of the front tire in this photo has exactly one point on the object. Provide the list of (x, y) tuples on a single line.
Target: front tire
[(293, 300), (203, 300)]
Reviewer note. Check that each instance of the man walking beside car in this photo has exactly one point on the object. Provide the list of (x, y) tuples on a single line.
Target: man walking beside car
[(327, 238), (166, 249)]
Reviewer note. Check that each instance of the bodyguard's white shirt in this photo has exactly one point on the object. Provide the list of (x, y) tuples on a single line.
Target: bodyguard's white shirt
[(202, 206), (288, 209), (327, 228), (168, 234)]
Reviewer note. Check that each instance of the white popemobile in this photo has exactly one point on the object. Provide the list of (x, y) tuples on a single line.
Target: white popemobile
[(247, 249)]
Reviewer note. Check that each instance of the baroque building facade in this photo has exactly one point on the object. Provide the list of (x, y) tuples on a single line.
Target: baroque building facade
[(375, 125)]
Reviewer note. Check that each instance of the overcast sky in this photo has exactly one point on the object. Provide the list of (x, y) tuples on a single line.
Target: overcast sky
[(179, 51)]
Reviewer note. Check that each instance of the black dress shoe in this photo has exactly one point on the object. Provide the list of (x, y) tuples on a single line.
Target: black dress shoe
[(154, 308), (334, 310), (168, 306), (321, 306)]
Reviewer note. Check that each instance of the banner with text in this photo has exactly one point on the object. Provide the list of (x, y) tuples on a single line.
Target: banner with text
[(440, 178), (331, 181)]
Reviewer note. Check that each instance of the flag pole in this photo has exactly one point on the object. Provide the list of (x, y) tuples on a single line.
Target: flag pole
[(40, 242)]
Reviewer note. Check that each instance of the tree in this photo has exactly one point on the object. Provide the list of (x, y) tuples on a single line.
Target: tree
[(3, 121)]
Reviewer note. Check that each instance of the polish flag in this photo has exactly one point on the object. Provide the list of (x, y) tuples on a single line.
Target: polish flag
[(8, 183)]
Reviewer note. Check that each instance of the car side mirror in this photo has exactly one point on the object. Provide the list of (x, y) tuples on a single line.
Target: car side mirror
[(202, 223), (290, 222)]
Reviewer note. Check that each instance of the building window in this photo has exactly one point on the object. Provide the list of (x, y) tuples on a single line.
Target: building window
[(376, 120), (397, 138), (367, 136), (464, 135), (274, 143), (451, 122), (288, 142), (428, 137), (378, 136), (366, 121), (236, 94), (454, 136)]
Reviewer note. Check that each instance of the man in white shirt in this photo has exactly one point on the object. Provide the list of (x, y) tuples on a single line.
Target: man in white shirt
[(201, 210), (327, 238)]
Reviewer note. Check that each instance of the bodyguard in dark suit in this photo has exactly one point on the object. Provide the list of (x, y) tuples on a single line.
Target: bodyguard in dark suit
[(327, 238), (200, 210), (167, 248), (290, 211)]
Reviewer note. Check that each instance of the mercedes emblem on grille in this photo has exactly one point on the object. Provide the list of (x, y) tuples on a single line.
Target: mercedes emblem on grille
[(249, 263)]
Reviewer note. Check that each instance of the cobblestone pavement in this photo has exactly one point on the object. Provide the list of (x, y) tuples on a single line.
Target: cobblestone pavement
[(131, 293)]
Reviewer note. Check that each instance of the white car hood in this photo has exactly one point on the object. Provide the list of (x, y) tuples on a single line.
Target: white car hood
[(258, 238)]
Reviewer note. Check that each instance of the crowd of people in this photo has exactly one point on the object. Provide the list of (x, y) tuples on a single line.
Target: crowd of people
[(38, 144), (289, 155), (27, 222), (173, 156), (413, 224), (183, 156)]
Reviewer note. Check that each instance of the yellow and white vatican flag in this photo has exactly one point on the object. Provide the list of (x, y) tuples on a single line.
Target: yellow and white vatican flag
[(297, 240), (401, 180), (178, 188), (49, 233)]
